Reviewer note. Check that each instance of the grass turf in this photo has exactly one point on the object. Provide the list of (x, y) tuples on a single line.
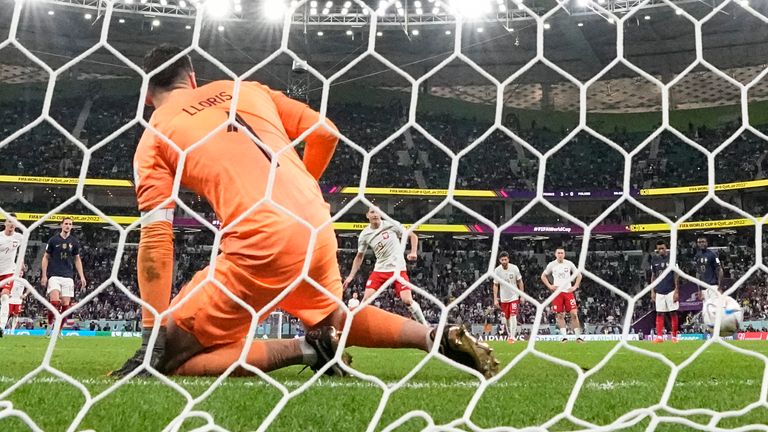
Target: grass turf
[(533, 392)]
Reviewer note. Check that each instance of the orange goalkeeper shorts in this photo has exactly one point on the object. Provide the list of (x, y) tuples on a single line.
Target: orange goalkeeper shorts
[(215, 319)]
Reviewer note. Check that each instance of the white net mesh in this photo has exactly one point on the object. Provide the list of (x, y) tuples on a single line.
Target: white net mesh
[(650, 417)]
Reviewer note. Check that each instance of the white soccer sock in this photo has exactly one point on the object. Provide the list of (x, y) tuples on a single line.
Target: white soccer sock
[(309, 353), (417, 313), (3, 311), (577, 331), (512, 326), (564, 331)]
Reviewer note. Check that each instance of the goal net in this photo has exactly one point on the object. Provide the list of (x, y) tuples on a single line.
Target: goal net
[(414, 147)]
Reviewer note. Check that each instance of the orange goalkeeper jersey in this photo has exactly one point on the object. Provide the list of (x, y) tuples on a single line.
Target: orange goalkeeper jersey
[(231, 171)]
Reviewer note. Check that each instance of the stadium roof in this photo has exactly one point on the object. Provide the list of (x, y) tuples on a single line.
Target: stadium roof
[(577, 39)]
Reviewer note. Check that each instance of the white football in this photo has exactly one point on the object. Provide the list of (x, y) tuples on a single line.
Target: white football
[(730, 309)]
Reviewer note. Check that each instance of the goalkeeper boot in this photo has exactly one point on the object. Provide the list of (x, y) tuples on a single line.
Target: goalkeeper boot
[(137, 359), (460, 346), (325, 341)]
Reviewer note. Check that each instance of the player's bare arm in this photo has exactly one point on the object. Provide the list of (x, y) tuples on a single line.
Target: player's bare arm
[(496, 295), (577, 284), (413, 254), (720, 277), (44, 269), (79, 267), (521, 287), (356, 263), (676, 292), (546, 282)]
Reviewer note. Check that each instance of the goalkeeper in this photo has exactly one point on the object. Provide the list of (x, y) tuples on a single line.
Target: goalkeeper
[(263, 249)]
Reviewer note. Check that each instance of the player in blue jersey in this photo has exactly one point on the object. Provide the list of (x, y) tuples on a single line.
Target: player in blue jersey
[(666, 294), (708, 270), (62, 257)]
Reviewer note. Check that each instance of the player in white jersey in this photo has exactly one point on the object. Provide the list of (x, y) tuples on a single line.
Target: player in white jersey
[(506, 276), (565, 278), (384, 238), (10, 241)]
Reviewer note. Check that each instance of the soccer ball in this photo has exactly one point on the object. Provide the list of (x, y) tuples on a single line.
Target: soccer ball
[(732, 314)]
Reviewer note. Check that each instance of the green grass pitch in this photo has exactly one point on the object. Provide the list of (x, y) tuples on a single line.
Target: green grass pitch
[(533, 392)]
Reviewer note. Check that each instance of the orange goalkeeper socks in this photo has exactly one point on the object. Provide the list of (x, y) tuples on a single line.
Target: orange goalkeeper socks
[(265, 355), (376, 328)]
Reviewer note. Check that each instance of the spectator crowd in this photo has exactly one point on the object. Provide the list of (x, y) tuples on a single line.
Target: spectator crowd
[(450, 269)]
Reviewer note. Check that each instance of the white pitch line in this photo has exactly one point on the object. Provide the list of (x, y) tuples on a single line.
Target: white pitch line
[(334, 383)]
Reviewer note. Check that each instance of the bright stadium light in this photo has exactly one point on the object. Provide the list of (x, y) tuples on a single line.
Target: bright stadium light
[(188, 27), (349, 32), (580, 24), (217, 8), (401, 12), (344, 11), (274, 9), (220, 28), (128, 1), (313, 4), (502, 8), (647, 17), (448, 32), (50, 12), (163, 2), (328, 4), (347, 4), (326, 11), (471, 8), (121, 21), (182, 4), (678, 11), (320, 33), (313, 11), (379, 34), (547, 26), (155, 23), (88, 16), (382, 9), (435, 10), (417, 4), (238, 8), (415, 32), (480, 30), (419, 11)]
